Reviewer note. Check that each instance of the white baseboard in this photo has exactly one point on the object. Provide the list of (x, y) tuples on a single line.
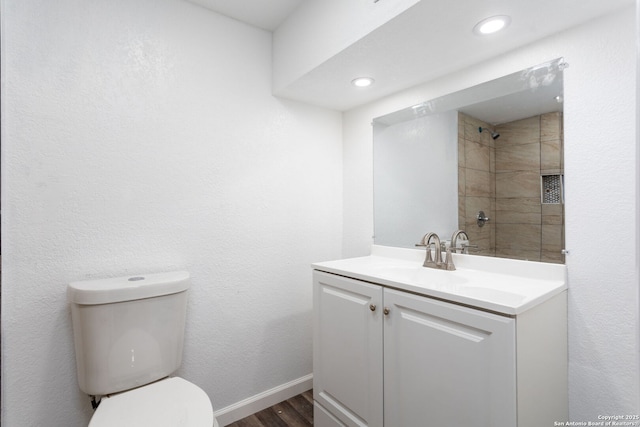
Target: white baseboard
[(257, 403)]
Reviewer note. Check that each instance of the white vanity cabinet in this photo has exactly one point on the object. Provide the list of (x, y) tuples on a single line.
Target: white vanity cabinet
[(386, 357)]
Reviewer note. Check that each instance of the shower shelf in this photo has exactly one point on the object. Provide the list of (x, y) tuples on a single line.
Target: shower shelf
[(552, 189)]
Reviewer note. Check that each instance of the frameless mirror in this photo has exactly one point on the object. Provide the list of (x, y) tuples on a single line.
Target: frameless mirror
[(495, 148)]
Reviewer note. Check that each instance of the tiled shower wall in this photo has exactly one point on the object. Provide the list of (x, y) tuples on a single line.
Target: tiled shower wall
[(502, 178), (476, 182)]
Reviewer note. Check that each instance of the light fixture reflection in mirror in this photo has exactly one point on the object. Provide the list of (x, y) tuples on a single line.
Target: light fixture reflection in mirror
[(428, 179)]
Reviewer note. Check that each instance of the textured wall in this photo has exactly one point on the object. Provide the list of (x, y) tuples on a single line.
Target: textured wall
[(600, 171), (141, 136)]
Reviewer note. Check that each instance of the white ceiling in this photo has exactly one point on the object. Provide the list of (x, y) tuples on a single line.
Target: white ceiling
[(429, 40), (265, 14)]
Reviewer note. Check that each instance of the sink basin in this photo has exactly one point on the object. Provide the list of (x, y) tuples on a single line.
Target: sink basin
[(420, 275)]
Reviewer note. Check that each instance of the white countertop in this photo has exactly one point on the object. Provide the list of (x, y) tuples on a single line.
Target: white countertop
[(501, 285)]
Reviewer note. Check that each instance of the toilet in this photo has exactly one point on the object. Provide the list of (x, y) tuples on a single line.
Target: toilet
[(128, 334)]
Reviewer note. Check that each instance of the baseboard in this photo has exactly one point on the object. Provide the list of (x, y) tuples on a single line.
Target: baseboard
[(257, 403)]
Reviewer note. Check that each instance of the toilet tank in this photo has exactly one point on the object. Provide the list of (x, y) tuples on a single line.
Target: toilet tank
[(128, 331)]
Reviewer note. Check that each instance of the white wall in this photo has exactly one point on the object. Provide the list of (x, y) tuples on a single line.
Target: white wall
[(141, 136), (600, 155), (638, 179)]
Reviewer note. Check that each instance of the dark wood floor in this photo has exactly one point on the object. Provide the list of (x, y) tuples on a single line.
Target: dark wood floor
[(295, 412)]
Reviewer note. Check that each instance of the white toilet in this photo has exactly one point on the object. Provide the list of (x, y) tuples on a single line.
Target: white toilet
[(128, 334)]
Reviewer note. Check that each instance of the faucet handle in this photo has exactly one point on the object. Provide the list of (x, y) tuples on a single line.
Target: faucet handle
[(467, 248)]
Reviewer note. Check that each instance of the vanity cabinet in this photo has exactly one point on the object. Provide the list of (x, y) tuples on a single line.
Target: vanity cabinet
[(385, 357)]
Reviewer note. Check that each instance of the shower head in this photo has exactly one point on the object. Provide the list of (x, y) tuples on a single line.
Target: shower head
[(494, 134)]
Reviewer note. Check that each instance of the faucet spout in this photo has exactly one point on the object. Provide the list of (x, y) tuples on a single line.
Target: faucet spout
[(454, 240), (427, 241)]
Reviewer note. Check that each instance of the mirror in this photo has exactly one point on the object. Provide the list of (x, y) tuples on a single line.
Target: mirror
[(495, 148)]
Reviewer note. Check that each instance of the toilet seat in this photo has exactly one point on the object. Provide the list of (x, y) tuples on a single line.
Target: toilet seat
[(170, 402)]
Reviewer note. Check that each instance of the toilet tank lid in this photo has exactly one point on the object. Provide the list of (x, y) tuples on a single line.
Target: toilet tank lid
[(126, 288)]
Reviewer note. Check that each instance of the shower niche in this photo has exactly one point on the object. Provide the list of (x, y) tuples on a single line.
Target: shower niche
[(552, 189)]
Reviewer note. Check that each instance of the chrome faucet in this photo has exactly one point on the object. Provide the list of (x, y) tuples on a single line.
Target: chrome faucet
[(426, 241)]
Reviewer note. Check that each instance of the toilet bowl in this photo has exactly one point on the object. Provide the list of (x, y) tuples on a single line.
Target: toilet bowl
[(128, 335), (171, 402)]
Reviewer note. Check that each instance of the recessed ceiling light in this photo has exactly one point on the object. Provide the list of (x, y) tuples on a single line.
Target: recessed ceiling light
[(362, 81), (492, 25)]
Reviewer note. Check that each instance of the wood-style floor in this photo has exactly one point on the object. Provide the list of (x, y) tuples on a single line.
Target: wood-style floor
[(295, 412)]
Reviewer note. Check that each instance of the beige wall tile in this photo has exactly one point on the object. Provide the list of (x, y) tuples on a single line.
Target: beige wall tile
[(552, 220), (492, 160), (461, 212), (523, 131), (550, 126), (461, 122), (475, 204), (462, 173), (481, 237), (551, 154), (471, 132), (461, 156), (518, 184), (552, 237), (519, 254), (477, 156), (519, 204), (552, 214), (552, 209), (525, 237), (518, 157), (477, 183), (510, 217), (553, 257)]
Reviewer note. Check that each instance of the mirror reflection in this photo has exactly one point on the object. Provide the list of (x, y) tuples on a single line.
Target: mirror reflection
[(488, 160)]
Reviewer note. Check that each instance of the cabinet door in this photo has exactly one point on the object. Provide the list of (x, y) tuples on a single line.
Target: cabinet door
[(447, 365), (323, 418), (347, 351)]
